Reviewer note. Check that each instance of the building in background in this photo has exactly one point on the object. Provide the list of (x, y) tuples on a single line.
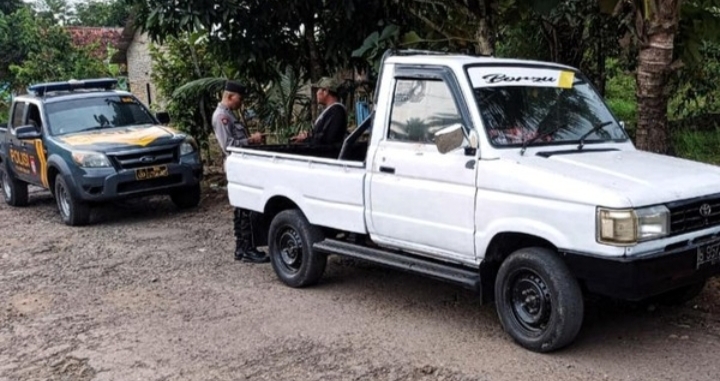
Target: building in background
[(133, 51)]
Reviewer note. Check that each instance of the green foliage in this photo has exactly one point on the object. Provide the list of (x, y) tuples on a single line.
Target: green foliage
[(258, 36), (19, 35), (54, 11), (695, 88), (10, 6), (41, 51), (283, 107), (4, 105), (173, 67), (58, 59), (620, 94), (101, 13)]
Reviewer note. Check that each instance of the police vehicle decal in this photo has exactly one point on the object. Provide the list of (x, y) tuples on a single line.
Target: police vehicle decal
[(138, 136)]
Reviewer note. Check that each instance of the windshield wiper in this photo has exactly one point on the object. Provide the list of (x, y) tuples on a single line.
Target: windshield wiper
[(595, 128), (538, 137)]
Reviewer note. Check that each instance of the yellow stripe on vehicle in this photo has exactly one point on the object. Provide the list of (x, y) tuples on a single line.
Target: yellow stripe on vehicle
[(140, 136), (43, 162)]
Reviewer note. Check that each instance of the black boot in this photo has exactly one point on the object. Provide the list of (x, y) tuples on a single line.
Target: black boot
[(252, 255)]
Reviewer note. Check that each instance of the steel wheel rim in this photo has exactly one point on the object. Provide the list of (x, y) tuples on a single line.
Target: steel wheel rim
[(63, 201), (530, 301), (7, 190), (289, 244)]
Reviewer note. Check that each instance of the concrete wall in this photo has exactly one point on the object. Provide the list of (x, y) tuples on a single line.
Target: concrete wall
[(139, 69)]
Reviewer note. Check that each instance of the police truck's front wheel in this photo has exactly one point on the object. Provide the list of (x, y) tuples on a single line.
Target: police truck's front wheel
[(187, 198), (14, 191), (290, 245), (538, 300), (73, 212)]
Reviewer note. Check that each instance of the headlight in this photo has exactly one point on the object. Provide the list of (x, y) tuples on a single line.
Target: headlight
[(187, 147), (625, 227), (90, 159)]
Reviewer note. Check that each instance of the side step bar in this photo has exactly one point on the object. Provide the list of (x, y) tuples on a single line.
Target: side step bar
[(454, 274)]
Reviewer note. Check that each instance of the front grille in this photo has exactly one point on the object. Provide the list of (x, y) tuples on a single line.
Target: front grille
[(696, 214), (145, 158), (143, 185)]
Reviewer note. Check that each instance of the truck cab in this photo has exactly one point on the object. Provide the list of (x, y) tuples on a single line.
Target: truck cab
[(509, 177), (88, 143)]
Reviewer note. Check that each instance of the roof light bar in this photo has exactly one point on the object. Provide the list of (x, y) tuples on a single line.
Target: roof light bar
[(100, 83)]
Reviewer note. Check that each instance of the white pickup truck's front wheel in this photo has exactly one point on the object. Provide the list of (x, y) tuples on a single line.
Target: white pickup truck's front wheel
[(290, 246), (538, 300)]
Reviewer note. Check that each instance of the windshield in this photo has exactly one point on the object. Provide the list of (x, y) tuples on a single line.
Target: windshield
[(518, 104), (77, 115)]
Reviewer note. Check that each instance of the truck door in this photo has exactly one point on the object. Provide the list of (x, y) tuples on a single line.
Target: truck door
[(25, 155), (420, 199)]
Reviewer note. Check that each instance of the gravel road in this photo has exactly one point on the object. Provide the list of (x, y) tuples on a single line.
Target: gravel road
[(150, 293)]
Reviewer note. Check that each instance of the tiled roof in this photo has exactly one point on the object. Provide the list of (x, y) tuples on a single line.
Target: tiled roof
[(83, 35)]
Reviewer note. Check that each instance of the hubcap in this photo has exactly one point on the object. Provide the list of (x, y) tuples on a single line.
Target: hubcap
[(290, 244), (530, 301), (6, 185), (63, 201)]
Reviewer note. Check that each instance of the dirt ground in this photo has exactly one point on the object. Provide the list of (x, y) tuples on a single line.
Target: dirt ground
[(150, 293)]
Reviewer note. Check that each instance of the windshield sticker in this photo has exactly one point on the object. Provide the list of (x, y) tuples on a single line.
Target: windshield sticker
[(127, 100), (518, 76)]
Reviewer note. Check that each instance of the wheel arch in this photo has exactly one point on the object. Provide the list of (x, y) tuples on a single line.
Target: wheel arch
[(500, 247)]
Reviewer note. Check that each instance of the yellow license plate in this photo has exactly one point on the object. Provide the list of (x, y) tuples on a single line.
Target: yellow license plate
[(151, 172)]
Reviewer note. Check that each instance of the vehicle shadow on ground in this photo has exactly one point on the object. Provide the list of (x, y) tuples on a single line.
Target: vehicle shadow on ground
[(152, 208), (629, 325)]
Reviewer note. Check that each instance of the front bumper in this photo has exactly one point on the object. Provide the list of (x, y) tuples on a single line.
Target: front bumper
[(642, 276), (108, 184)]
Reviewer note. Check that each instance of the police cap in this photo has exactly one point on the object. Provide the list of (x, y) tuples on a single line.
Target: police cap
[(235, 87)]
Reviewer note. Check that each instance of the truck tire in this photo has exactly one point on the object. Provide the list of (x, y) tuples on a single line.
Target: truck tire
[(680, 295), (15, 191), (539, 302), (186, 198), (72, 211), (291, 240)]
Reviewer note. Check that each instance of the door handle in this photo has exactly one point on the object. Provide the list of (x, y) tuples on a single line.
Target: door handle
[(389, 170)]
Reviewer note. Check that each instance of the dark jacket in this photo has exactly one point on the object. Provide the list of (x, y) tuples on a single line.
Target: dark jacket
[(331, 126)]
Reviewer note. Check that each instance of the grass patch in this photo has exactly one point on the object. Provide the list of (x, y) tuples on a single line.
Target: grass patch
[(698, 145)]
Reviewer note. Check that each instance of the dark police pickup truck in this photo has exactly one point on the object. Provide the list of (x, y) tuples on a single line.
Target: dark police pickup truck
[(88, 143)]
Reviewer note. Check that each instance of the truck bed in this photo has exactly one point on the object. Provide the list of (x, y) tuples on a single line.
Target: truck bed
[(329, 191), (356, 152)]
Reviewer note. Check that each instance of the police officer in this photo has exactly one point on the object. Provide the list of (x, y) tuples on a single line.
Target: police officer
[(231, 133)]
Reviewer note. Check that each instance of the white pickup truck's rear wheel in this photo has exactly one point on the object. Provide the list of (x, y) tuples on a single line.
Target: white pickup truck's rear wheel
[(538, 300), (290, 246)]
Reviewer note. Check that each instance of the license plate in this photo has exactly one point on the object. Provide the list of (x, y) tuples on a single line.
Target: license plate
[(151, 172), (709, 254)]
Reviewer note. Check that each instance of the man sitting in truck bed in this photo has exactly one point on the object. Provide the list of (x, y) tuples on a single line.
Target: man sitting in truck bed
[(331, 126)]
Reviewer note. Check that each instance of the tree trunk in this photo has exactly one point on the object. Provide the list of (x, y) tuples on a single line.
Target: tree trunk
[(485, 32), (484, 38), (654, 66), (315, 64)]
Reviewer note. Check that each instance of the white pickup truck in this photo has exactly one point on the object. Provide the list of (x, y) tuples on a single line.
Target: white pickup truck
[(508, 177)]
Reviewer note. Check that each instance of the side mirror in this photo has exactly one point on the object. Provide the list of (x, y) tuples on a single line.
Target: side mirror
[(622, 124), (27, 132), (449, 138), (163, 117)]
